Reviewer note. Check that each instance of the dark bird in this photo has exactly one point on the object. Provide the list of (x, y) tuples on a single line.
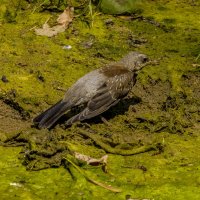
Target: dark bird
[(97, 91)]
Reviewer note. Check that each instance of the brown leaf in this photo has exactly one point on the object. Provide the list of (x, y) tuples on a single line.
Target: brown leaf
[(91, 161), (66, 17), (62, 23)]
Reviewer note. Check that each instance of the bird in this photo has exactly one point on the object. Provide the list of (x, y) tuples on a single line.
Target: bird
[(96, 91)]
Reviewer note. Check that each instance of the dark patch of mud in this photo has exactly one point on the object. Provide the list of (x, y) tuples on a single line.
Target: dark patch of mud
[(10, 119), (9, 99), (191, 83)]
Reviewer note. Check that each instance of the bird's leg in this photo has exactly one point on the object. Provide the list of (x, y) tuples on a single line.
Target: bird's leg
[(105, 121), (109, 124)]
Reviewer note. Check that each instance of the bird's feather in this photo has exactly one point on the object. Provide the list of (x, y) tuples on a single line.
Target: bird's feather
[(106, 97), (101, 102), (50, 116)]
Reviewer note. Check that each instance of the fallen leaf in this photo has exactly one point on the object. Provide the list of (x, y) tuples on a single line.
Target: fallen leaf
[(63, 21), (48, 31), (91, 161), (66, 17), (195, 65)]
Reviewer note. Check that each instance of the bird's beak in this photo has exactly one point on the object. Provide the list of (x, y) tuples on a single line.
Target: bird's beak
[(149, 62), (152, 62)]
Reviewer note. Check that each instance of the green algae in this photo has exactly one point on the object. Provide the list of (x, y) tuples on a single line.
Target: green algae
[(172, 105), (122, 6), (17, 183)]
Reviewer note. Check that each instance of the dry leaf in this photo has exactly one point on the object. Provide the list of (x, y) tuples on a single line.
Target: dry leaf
[(91, 161), (195, 65), (46, 30), (63, 21), (66, 17)]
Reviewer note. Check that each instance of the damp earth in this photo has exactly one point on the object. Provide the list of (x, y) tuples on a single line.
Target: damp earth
[(151, 137)]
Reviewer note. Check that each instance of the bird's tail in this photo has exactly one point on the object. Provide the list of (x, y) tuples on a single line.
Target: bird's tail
[(51, 115)]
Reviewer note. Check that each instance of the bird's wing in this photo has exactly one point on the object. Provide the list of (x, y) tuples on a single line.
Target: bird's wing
[(107, 95), (51, 115)]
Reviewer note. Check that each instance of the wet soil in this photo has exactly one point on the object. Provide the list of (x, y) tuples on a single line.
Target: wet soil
[(162, 111), (147, 111), (10, 119)]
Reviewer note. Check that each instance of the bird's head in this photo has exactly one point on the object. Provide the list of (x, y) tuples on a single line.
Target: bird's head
[(135, 61)]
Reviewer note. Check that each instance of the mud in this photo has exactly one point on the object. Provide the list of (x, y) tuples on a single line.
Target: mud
[(159, 118), (11, 120), (146, 112)]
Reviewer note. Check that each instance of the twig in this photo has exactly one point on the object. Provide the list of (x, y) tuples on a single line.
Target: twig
[(36, 7), (109, 149), (108, 187), (197, 57)]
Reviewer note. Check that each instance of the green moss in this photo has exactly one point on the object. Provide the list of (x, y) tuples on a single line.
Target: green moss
[(121, 6), (38, 68)]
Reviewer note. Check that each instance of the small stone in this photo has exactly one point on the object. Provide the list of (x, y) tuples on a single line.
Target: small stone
[(4, 79), (67, 47)]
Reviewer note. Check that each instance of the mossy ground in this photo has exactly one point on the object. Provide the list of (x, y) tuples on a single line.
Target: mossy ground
[(164, 105)]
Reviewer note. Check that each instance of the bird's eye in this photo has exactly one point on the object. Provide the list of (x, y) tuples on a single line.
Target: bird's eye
[(145, 59)]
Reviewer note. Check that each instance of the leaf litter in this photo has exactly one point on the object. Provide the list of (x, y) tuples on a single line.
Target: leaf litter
[(63, 22)]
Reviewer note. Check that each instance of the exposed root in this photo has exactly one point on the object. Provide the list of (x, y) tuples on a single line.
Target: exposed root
[(122, 152), (108, 187)]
